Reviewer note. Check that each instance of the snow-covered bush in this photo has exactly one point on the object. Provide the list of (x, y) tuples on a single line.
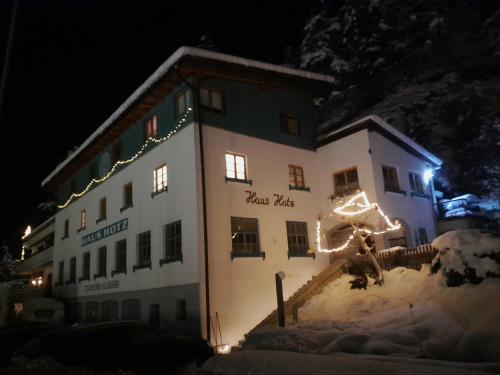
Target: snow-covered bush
[(467, 256)]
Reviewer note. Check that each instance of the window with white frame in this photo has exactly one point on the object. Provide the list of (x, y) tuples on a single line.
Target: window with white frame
[(346, 182), (416, 183), (211, 99), (245, 236), (298, 242), (235, 166), (144, 249), (391, 181), (160, 179), (182, 102), (173, 240)]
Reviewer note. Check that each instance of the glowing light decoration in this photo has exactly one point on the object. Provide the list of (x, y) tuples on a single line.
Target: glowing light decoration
[(148, 142), (428, 174), (27, 231), (360, 208)]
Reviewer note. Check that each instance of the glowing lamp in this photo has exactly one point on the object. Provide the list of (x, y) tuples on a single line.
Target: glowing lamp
[(428, 175), (223, 349)]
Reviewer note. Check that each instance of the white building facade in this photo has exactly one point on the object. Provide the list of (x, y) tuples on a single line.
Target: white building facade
[(187, 231)]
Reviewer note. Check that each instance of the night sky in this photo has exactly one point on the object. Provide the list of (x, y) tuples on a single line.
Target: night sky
[(75, 61)]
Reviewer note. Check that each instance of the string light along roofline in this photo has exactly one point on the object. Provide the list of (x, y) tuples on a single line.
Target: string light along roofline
[(362, 208), (149, 141)]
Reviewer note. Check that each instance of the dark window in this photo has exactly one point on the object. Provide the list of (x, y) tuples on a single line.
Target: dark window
[(245, 235), (144, 255), (93, 170), (296, 176), (72, 270), (289, 123), (390, 178), (102, 209), (117, 152), (180, 310), (101, 261), (150, 128), (211, 99), (298, 243), (109, 310), (61, 273), (235, 166), (416, 183), (73, 186), (127, 195), (346, 182), (86, 266), (131, 309), (182, 102), (154, 315), (121, 256), (91, 312), (422, 234), (173, 239), (66, 228)]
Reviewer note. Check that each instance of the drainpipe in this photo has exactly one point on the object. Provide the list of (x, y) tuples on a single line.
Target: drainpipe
[(198, 113)]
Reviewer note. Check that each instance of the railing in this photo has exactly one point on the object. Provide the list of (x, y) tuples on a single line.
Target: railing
[(457, 208)]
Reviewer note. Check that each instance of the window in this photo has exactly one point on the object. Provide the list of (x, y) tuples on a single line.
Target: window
[(289, 124), (93, 170), (416, 183), (173, 241), (211, 99), (91, 312), (422, 235), (346, 182), (298, 242), (72, 270), (60, 276), (127, 195), (131, 309), (154, 315), (121, 257), (144, 255), (117, 152), (150, 128), (399, 241), (181, 310), (296, 176), (109, 310), (66, 229), (101, 261), (235, 167), (85, 267), (82, 219), (245, 236), (182, 102), (390, 178), (102, 209), (160, 179)]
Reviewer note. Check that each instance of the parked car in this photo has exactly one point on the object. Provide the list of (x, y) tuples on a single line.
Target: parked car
[(12, 337), (117, 345)]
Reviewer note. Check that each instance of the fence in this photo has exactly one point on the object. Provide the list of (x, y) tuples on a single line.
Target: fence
[(409, 258)]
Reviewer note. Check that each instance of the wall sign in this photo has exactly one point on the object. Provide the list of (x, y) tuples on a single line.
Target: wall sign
[(277, 200), (105, 232), (102, 286)]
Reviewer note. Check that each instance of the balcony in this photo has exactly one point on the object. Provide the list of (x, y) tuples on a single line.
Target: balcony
[(36, 261)]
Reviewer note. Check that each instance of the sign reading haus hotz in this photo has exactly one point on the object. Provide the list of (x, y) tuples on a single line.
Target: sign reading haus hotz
[(105, 232)]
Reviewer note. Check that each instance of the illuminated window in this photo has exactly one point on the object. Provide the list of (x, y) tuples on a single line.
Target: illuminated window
[(211, 99), (127, 195), (182, 102), (245, 236), (160, 179), (298, 242), (296, 176), (102, 209), (416, 183), (346, 182), (150, 128), (82, 219), (390, 178), (289, 123), (144, 254), (235, 166)]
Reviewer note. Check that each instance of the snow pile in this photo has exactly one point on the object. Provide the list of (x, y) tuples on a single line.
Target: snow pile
[(413, 315), (467, 256)]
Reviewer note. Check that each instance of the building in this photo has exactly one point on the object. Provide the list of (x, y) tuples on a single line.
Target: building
[(208, 180)]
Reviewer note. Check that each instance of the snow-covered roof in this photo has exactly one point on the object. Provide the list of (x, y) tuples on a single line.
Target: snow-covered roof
[(389, 129), (163, 69)]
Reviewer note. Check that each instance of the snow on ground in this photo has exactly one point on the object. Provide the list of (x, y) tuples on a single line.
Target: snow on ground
[(265, 362), (413, 315)]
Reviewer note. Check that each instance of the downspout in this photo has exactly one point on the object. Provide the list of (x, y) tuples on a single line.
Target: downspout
[(198, 113)]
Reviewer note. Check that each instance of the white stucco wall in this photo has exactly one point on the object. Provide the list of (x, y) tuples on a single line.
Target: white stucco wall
[(147, 213)]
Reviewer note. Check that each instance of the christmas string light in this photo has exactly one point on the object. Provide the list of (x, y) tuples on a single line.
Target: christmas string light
[(128, 161), (363, 207)]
